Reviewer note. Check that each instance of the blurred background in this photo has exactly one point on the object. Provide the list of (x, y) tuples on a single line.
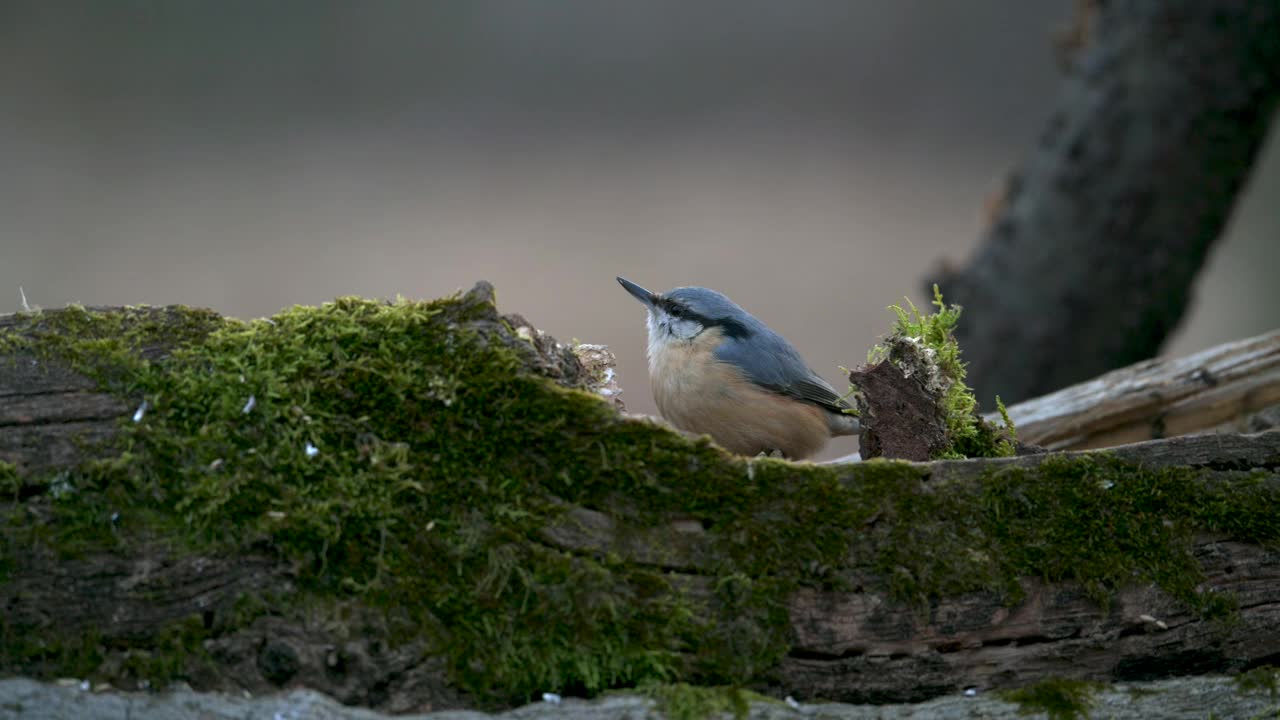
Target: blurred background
[(811, 160)]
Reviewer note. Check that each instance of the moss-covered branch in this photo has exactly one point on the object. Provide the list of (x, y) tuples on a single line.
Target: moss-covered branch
[(412, 505)]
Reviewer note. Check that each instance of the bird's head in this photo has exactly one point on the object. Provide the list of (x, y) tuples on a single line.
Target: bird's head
[(685, 313)]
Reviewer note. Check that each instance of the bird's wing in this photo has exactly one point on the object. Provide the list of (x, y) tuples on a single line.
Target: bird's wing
[(817, 391), (773, 364)]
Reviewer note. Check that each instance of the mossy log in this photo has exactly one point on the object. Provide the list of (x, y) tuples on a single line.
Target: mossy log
[(416, 506)]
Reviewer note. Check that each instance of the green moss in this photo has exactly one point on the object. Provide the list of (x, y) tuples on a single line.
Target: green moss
[(681, 701), (1104, 523), (440, 456), (1139, 693), (1262, 679), (177, 650), (1004, 417), (109, 346), (968, 435), (1057, 698), (10, 484), (51, 655), (10, 490), (174, 653)]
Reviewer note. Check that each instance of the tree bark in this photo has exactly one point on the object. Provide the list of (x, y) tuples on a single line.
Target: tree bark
[(1091, 259), (852, 642)]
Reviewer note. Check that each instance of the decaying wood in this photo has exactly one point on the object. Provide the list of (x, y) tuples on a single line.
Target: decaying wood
[(900, 418), (1091, 260), (850, 645), (1215, 389)]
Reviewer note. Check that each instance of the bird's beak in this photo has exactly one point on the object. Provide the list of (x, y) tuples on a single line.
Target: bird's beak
[(638, 292)]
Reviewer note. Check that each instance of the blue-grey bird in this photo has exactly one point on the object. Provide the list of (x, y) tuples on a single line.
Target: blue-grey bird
[(717, 370)]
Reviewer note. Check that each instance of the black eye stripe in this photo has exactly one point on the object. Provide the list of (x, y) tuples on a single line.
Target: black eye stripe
[(731, 327)]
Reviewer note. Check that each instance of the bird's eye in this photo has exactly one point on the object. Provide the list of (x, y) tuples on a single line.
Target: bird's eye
[(676, 311)]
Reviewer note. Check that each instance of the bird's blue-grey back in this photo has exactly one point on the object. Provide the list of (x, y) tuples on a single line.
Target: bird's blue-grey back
[(764, 356)]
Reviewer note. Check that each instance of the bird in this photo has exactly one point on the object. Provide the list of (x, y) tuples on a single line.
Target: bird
[(717, 370)]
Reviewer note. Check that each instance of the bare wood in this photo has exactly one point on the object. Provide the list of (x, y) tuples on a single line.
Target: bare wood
[(1220, 386)]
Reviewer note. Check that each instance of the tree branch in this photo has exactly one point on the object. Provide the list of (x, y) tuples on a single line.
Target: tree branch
[(1213, 389)]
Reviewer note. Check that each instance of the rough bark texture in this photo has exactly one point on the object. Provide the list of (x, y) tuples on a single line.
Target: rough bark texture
[(1219, 388), (1092, 257)]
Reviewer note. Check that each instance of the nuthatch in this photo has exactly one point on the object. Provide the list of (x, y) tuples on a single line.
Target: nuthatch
[(716, 369)]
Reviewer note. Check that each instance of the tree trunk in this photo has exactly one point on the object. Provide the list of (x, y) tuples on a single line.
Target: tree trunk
[(871, 582), (1091, 260)]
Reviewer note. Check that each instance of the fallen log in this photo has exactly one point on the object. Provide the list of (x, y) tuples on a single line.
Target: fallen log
[(417, 506)]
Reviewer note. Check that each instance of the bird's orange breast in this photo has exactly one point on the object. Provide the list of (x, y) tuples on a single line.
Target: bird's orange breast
[(698, 393)]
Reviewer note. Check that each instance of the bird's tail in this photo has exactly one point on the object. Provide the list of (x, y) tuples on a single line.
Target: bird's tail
[(842, 424)]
